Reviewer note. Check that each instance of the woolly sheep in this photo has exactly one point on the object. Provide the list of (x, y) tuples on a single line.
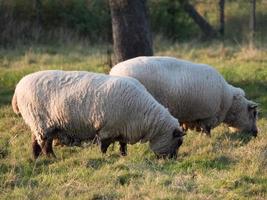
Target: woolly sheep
[(196, 94), (82, 105)]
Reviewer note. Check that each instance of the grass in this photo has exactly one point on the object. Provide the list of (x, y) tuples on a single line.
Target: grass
[(225, 166)]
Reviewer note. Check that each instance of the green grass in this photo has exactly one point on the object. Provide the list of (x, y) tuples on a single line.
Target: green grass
[(225, 166)]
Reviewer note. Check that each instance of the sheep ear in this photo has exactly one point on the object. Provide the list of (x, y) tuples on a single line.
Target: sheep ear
[(252, 105), (178, 133), (238, 93), (237, 96)]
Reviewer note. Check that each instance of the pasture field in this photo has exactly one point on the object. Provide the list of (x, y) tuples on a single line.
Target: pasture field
[(225, 166)]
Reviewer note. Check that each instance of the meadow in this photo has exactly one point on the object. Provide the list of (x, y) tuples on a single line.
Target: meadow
[(225, 166)]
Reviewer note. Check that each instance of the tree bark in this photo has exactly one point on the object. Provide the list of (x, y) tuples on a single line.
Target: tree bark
[(252, 22), (205, 27), (130, 28), (221, 8)]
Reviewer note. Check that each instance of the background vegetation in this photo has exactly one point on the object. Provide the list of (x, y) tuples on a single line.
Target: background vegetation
[(225, 166), (66, 20)]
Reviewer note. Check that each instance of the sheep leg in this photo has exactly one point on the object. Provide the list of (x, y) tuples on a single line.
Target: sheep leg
[(47, 148), (123, 148), (36, 148), (198, 128), (47, 144), (105, 144), (57, 142), (207, 130)]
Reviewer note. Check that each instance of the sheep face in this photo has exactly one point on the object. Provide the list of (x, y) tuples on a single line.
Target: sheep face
[(166, 146), (243, 115)]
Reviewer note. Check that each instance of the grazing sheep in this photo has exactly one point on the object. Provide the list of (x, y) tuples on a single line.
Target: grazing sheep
[(196, 94), (79, 106)]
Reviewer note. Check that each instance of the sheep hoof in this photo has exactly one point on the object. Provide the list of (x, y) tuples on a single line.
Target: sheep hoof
[(105, 144), (207, 131), (36, 148), (47, 149), (36, 151), (123, 149)]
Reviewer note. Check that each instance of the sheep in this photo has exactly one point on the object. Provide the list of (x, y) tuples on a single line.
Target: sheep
[(196, 94), (78, 106)]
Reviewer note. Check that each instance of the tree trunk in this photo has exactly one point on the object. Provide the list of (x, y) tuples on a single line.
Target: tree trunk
[(205, 27), (130, 27), (221, 8), (252, 22)]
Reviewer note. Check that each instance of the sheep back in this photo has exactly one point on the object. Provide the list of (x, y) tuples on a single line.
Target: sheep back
[(190, 91), (83, 104)]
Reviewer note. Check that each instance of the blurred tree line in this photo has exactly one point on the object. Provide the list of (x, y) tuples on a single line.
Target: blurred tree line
[(53, 20), (46, 20)]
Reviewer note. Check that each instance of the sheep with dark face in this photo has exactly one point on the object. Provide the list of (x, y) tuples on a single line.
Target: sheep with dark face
[(196, 94), (82, 105)]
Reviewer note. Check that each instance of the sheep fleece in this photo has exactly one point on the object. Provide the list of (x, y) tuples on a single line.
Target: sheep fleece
[(83, 104), (190, 91)]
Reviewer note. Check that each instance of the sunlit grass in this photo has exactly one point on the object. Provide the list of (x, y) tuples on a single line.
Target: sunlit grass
[(225, 166)]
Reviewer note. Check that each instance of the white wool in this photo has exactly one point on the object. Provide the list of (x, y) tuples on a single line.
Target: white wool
[(83, 104), (190, 91), (237, 91)]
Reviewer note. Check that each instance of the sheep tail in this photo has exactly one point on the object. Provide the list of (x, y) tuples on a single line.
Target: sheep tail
[(15, 104)]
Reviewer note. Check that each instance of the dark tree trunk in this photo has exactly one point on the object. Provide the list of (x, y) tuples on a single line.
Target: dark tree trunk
[(252, 21), (130, 27), (221, 8), (205, 27)]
